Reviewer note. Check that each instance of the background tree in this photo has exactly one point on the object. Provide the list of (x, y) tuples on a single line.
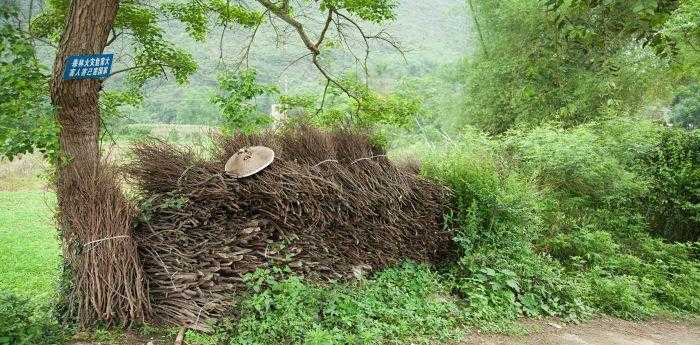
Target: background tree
[(25, 110), (570, 62)]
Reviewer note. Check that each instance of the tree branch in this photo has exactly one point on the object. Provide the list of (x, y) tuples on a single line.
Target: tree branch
[(162, 67), (323, 99), (246, 51), (478, 27), (329, 19), (115, 35), (365, 39), (42, 40), (283, 13), (294, 62)]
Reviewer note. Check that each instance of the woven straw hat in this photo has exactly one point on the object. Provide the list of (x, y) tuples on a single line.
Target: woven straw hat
[(249, 161)]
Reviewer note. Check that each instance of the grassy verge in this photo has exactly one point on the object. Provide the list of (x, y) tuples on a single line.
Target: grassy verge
[(29, 249)]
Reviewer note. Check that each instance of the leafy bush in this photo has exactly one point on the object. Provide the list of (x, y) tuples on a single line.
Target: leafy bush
[(407, 302), (22, 323), (555, 222), (621, 296), (685, 111), (674, 201), (573, 165), (498, 219), (582, 247)]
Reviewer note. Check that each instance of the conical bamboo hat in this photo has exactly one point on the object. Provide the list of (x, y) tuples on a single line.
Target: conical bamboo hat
[(249, 161)]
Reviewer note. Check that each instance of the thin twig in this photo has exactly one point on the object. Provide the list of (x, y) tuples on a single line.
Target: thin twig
[(180, 335), (478, 27), (105, 239)]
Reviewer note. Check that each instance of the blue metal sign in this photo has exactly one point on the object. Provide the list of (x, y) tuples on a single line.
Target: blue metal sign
[(95, 66)]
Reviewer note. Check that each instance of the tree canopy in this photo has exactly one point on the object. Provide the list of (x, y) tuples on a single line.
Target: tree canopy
[(146, 53)]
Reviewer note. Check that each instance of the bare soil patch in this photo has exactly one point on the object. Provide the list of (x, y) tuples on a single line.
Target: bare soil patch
[(603, 331)]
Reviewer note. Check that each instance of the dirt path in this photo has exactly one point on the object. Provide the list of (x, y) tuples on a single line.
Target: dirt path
[(605, 331)]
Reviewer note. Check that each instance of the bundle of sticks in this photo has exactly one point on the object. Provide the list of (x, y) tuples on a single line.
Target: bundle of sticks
[(330, 205)]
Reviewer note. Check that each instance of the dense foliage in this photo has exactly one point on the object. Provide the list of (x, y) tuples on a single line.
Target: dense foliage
[(26, 117), (536, 69), (21, 323), (554, 222), (673, 200), (238, 92), (586, 202), (685, 108), (407, 303)]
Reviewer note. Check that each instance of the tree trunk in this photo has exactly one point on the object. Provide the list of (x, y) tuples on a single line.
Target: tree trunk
[(106, 278), (86, 32)]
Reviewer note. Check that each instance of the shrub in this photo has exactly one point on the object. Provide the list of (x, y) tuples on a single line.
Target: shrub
[(498, 216), (622, 296), (674, 201), (685, 111), (667, 159), (558, 222), (22, 323), (673, 272), (573, 166), (582, 247), (407, 302)]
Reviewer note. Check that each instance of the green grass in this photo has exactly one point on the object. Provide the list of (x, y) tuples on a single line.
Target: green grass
[(29, 248)]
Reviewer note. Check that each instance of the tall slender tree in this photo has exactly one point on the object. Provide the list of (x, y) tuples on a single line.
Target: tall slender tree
[(95, 219)]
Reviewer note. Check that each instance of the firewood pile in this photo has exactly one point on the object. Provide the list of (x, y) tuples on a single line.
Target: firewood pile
[(330, 205)]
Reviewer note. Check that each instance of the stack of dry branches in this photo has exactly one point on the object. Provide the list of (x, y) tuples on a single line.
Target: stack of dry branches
[(330, 204), (107, 280)]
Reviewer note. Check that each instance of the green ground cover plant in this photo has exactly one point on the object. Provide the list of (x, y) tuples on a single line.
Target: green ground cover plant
[(29, 268), (29, 248), (21, 322), (399, 304)]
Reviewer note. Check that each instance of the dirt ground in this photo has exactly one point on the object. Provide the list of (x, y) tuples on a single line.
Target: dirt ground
[(604, 331)]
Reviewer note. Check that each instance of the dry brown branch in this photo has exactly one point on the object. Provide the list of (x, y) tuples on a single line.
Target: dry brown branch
[(108, 282), (180, 336)]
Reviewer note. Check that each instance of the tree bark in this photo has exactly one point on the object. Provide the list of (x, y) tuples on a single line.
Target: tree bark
[(106, 278), (86, 32)]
